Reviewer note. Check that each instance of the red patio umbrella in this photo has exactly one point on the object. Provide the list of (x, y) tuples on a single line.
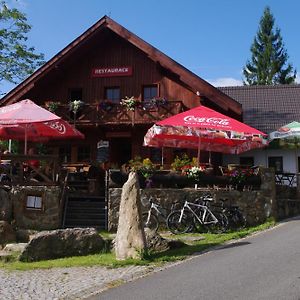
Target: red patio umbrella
[(29, 122), (204, 129)]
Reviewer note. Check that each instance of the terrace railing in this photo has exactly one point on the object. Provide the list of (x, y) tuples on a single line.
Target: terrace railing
[(17, 170), (107, 112)]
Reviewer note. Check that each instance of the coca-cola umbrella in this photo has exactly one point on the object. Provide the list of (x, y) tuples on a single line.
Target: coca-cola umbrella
[(29, 122), (205, 129), (287, 136)]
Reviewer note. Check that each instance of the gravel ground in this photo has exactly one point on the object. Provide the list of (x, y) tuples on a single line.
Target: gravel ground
[(64, 283)]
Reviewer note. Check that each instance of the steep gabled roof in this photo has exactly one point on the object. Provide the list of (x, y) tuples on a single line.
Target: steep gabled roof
[(267, 108), (194, 82)]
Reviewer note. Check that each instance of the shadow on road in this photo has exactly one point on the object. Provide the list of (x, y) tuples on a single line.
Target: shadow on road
[(232, 245)]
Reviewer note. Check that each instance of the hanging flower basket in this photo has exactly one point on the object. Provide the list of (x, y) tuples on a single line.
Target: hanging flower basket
[(155, 103), (106, 105), (75, 106), (129, 103), (52, 105)]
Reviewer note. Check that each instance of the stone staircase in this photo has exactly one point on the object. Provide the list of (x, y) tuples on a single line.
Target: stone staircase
[(85, 211)]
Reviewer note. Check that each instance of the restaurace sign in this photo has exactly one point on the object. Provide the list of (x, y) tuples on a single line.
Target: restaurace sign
[(112, 72)]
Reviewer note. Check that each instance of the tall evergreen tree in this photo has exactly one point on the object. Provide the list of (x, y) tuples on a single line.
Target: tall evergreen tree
[(17, 60), (268, 64)]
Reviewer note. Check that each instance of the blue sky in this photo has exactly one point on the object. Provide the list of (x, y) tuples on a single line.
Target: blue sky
[(212, 38)]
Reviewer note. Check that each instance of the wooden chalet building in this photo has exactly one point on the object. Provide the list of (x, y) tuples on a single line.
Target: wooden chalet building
[(102, 66)]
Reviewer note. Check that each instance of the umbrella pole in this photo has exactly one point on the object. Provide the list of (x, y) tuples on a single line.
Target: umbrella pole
[(9, 145), (25, 144), (162, 157), (209, 157), (198, 155)]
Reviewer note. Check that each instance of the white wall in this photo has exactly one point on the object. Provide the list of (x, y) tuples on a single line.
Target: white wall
[(289, 157)]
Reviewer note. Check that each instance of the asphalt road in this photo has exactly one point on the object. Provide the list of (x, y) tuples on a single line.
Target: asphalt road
[(264, 266)]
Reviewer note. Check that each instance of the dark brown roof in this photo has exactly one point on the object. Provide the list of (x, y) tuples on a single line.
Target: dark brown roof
[(191, 80), (267, 107)]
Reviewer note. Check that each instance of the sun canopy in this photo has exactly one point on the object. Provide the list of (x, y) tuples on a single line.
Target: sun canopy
[(205, 129), (29, 122), (287, 136)]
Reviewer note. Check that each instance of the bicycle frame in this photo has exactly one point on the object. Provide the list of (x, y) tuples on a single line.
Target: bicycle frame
[(201, 218), (156, 209)]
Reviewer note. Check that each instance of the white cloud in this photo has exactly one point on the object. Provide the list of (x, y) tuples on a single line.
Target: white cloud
[(297, 78), (225, 81)]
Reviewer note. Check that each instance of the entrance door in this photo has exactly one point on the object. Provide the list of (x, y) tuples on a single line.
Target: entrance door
[(120, 150)]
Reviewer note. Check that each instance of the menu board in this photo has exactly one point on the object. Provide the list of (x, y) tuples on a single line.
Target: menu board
[(103, 151)]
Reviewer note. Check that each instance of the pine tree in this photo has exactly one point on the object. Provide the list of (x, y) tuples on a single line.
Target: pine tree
[(17, 60), (268, 64)]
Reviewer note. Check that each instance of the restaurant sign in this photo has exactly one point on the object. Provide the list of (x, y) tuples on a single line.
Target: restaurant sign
[(112, 72)]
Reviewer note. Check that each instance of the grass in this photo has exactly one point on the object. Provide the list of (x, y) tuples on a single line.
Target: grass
[(108, 259)]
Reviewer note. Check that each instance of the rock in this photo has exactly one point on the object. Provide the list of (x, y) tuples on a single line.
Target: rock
[(25, 235), (5, 206), (62, 243), (17, 247), (130, 241), (7, 233), (157, 243)]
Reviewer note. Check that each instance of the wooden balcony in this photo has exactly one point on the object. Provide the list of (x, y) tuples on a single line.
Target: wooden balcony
[(112, 113)]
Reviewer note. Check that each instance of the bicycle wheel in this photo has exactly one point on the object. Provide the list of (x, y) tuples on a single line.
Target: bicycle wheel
[(199, 227), (152, 223), (222, 224), (177, 227), (238, 219)]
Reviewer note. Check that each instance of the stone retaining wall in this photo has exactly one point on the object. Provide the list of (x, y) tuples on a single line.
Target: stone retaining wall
[(256, 205), (48, 217)]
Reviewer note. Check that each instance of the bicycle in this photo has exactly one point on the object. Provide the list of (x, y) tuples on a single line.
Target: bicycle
[(236, 219), (197, 215), (154, 214)]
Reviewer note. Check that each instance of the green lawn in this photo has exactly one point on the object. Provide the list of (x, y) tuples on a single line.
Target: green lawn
[(107, 259)]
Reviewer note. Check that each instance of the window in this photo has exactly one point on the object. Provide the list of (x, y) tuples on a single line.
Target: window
[(276, 163), (247, 160), (84, 153), (34, 202), (113, 94), (75, 94), (150, 92)]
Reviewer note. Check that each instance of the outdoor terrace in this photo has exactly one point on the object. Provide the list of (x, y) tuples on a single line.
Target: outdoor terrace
[(15, 169)]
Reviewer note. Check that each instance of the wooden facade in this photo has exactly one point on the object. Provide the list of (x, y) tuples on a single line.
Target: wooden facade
[(107, 46)]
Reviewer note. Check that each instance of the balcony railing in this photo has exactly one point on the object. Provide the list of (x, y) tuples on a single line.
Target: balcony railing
[(115, 113), (18, 169)]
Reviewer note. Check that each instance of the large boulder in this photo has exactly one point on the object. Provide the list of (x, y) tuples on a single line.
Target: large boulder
[(130, 240), (156, 243), (5, 206), (62, 243), (7, 233), (24, 235)]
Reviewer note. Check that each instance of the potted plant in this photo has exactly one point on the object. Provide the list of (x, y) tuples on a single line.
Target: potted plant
[(75, 106), (106, 105), (52, 105), (130, 103), (144, 167), (242, 177)]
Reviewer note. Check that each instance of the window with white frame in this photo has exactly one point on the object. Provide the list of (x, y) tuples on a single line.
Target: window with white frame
[(34, 202)]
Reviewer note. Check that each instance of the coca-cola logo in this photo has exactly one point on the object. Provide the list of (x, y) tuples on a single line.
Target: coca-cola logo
[(59, 127), (215, 121)]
